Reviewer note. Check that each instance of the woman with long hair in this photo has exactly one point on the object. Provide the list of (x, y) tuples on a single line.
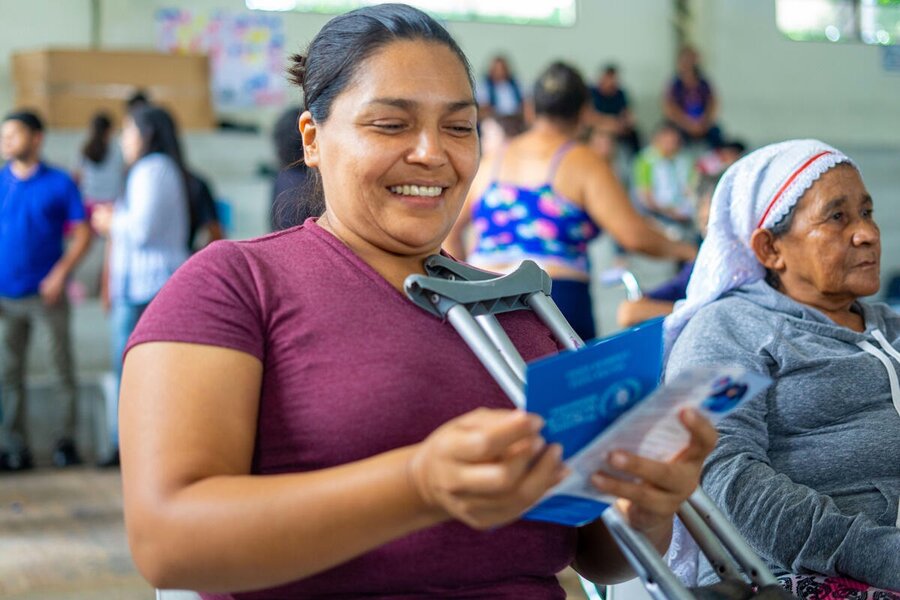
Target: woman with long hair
[(147, 228)]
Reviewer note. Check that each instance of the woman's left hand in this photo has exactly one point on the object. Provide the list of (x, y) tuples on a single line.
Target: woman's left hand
[(649, 503)]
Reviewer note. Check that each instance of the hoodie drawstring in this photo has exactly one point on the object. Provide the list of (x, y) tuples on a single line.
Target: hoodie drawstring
[(891, 370), (888, 365)]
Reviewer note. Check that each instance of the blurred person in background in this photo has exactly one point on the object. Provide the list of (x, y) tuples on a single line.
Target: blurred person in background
[(37, 201), (661, 300), (287, 209), (718, 159), (100, 175), (544, 196), (147, 228), (690, 102), (661, 181), (613, 112), (100, 170), (499, 93), (204, 226)]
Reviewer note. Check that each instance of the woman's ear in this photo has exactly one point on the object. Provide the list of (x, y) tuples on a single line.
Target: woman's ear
[(765, 247), (308, 135)]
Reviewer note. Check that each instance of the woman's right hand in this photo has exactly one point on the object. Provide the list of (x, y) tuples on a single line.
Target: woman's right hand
[(486, 467)]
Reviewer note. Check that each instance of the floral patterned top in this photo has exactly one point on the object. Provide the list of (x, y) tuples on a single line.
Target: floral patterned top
[(515, 223)]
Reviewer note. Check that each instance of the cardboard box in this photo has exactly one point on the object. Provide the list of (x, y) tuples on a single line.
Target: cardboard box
[(69, 86)]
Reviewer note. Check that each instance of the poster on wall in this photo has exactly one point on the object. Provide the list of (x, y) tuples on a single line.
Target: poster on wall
[(246, 52)]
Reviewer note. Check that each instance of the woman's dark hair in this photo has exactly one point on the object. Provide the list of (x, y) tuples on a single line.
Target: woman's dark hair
[(97, 144), (286, 137), (160, 134), (339, 49), (560, 92)]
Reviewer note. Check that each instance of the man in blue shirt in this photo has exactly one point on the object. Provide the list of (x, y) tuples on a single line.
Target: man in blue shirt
[(36, 202)]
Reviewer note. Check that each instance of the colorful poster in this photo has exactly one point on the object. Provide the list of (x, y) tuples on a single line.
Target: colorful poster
[(246, 52)]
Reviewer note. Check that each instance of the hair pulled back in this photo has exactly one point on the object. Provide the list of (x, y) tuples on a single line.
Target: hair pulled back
[(337, 52), (560, 92)]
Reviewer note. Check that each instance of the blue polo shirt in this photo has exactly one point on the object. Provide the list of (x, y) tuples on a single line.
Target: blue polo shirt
[(33, 213)]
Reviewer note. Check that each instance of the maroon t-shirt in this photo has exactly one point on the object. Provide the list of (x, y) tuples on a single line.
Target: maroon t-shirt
[(352, 368)]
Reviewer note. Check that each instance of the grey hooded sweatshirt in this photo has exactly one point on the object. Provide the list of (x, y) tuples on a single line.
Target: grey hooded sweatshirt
[(808, 471)]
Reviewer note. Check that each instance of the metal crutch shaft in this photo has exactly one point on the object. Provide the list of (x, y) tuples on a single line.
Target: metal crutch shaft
[(722, 562), (552, 317), (752, 565), (659, 581), (478, 341), (504, 345)]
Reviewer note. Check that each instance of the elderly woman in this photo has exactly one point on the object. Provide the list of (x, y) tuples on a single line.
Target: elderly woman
[(290, 420), (809, 471)]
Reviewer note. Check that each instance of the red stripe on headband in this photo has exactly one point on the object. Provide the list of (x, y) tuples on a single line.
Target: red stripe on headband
[(789, 182)]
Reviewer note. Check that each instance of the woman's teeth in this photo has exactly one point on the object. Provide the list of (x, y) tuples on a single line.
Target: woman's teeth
[(417, 190)]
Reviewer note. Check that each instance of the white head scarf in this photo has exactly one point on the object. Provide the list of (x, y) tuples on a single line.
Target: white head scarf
[(755, 192)]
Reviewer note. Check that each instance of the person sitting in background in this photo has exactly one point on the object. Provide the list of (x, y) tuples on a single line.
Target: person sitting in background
[(499, 94), (544, 196), (290, 182), (690, 102), (808, 471), (714, 162), (148, 229), (613, 113), (37, 201), (660, 301), (255, 467), (661, 181)]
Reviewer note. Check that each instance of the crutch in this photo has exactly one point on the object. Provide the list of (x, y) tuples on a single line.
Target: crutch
[(469, 298)]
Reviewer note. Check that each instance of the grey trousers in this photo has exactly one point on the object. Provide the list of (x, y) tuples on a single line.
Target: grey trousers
[(19, 316)]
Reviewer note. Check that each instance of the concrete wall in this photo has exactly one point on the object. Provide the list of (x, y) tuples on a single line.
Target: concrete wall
[(771, 88), (636, 34)]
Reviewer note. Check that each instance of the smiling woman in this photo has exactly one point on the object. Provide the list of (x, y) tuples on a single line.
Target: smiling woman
[(290, 420)]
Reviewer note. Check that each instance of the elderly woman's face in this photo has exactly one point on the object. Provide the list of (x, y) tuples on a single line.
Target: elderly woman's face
[(399, 149), (833, 248)]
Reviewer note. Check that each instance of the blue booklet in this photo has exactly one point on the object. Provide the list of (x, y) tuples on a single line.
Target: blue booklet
[(606, 396)]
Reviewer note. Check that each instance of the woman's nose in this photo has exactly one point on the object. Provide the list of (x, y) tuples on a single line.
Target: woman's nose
[(866, 232), (429, 149)]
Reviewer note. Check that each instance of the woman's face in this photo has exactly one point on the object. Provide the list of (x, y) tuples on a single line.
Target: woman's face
[(399, 149), (833, 248), (499, 70), (131, 142)]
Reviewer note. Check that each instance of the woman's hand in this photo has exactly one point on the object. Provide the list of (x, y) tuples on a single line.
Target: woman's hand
[(486, 467), (101, 218), (649, 503)]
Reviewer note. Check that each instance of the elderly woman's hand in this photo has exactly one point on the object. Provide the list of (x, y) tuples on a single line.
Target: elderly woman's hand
[(486, 467), (649, 502)]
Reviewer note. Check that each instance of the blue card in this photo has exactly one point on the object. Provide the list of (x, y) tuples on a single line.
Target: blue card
[(581, 393)]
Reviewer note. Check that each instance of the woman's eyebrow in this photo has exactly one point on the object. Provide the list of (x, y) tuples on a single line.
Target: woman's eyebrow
[(833, 204), (407, 104)]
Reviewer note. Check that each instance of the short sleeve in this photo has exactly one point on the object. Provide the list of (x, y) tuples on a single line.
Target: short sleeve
[(73, 203), (213, 299)]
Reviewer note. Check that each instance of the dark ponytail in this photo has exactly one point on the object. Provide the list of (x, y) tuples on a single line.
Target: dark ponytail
[(97, 145)]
